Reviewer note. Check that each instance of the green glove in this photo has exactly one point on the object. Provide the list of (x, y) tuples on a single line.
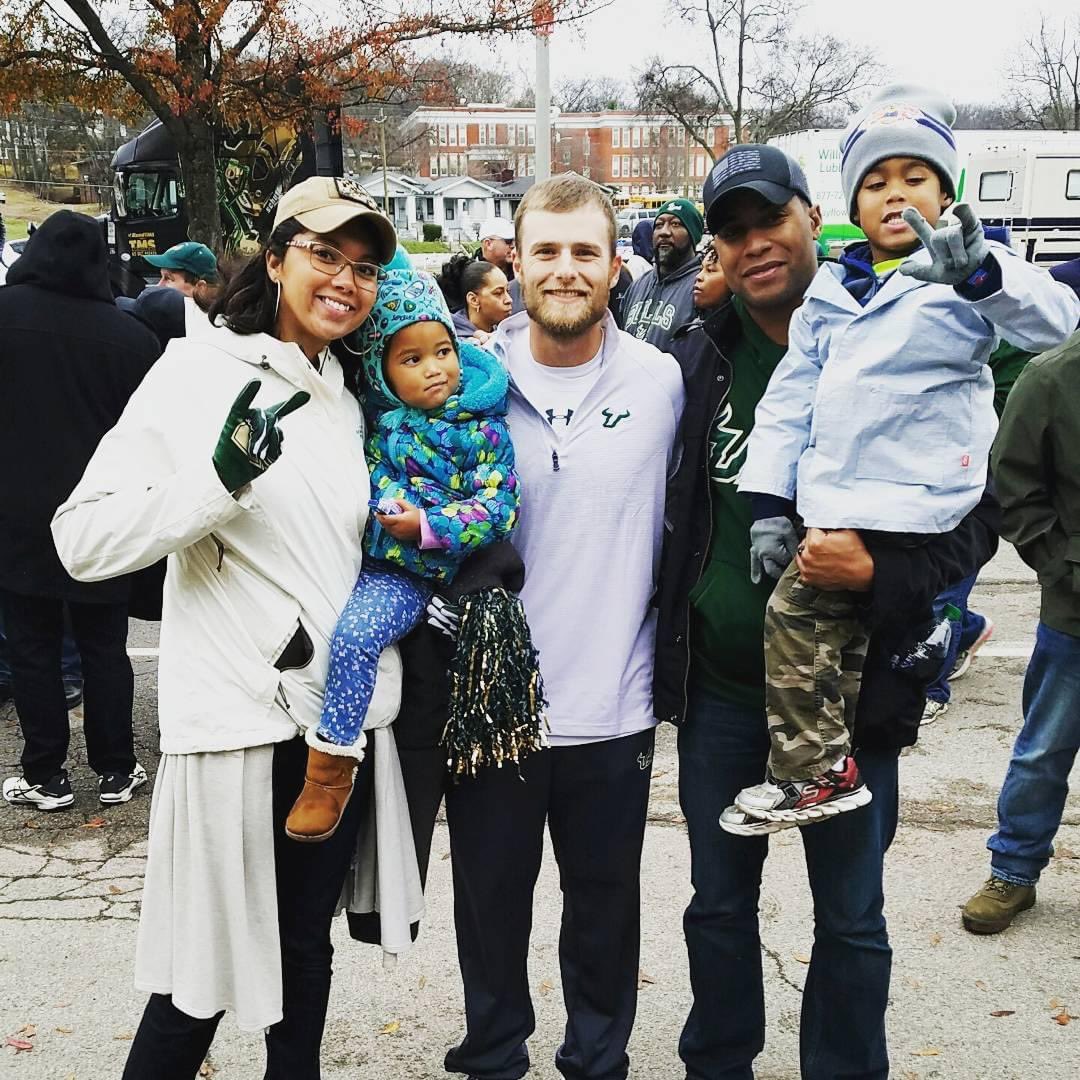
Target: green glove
[(956, 251), (251, 440)]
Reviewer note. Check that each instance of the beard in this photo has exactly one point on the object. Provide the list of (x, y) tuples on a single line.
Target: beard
[(668, 258), (564, 321)]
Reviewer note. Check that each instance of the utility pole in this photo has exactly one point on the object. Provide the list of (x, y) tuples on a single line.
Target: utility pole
[(543, 25), (686, 174), (381, 121)]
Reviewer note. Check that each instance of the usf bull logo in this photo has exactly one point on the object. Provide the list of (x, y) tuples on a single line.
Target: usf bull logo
[(611, 419)]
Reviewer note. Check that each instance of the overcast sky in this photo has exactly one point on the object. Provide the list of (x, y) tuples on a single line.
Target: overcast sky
[(961, 47)]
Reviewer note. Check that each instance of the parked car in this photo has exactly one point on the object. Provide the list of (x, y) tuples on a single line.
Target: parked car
[(627, 219)]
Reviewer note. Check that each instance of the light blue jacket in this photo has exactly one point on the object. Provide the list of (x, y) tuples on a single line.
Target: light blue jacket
[(881, 417)]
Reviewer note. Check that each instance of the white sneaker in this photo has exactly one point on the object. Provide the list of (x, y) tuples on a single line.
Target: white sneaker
[(54, 794), (965, 656), (740, 823), (932, 710), (119, 787)]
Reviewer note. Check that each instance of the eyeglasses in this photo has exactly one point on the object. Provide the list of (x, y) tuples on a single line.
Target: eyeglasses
[(328, 260)]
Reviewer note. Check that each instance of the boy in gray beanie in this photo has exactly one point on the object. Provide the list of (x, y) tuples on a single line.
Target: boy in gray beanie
[(879, 418)]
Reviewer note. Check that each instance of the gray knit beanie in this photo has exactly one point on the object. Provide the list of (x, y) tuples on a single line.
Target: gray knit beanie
[(900, 121)]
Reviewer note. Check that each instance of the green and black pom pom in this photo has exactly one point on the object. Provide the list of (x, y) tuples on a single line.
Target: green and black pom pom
[(496, 690)]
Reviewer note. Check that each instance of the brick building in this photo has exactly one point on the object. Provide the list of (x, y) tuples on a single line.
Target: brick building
[(637, 154)]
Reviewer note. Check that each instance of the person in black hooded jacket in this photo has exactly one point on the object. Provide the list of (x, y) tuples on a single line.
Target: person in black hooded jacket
[(71, 359)]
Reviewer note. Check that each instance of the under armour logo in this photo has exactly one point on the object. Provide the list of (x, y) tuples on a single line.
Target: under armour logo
[(644, 760), (610, 420), (552, 416)]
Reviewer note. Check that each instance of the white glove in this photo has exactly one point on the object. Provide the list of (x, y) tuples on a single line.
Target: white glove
[(444, 617)]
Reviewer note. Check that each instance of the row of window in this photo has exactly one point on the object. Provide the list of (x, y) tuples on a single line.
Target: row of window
[(449, 165), (998, 186), (487, 134), (624, 165), (630, 138), (458, 164), (624, 138)]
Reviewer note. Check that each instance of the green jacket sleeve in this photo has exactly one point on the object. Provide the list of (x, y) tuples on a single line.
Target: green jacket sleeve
[(1006, 363), (1023, 474)]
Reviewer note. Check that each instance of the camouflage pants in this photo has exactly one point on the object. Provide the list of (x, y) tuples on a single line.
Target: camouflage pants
[(815, 645)]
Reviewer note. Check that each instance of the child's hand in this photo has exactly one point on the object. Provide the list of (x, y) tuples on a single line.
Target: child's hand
[(956, 251), (404, 526)]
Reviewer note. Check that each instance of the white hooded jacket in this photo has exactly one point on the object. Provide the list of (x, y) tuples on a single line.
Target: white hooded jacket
[(243, 572)]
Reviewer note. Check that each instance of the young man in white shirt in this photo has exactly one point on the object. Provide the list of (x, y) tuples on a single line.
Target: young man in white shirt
[(593, 415)]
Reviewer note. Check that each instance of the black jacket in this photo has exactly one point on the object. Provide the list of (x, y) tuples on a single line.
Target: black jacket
[(69, 361), (906, 579), (425, 708)]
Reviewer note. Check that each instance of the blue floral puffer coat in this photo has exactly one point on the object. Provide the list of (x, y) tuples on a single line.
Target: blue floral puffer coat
[(456, 462)]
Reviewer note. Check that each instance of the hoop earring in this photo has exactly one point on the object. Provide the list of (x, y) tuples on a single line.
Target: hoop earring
[(346, 347), (345, 342), (277, 301)]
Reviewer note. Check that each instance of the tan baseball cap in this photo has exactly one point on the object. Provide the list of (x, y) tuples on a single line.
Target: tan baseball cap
[(325, 203)]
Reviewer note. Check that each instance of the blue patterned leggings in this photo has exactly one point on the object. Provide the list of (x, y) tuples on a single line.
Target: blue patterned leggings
[(382, 608)]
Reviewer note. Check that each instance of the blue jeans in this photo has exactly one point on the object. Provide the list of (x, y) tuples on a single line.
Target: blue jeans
[(722, 749), (1037, 782), (70, 662), (971, 626)]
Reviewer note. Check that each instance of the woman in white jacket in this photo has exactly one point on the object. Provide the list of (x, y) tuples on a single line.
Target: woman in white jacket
[(261, 521)]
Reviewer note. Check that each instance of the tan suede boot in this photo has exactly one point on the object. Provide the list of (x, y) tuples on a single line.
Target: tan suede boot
[(328, 783)]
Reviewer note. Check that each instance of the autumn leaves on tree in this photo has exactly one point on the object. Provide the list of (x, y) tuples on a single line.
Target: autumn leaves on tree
[(204, 66)]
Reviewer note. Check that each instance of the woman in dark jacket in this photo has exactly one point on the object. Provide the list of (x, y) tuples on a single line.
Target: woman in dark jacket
[(477, 294)]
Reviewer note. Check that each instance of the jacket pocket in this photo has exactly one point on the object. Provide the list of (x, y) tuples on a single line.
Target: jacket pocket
[(912, 438), (1072, 562)]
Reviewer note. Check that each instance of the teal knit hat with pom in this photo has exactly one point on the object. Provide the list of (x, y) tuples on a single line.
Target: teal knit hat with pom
[(405, 297)]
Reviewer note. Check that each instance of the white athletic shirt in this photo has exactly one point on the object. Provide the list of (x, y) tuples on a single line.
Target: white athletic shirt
[(592, 518), (555, 392)]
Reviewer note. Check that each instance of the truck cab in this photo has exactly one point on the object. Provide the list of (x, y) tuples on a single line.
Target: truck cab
[(255, 166), (147, 214)]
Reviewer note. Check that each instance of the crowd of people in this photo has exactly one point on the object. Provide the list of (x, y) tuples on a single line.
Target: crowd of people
[(472, 539)]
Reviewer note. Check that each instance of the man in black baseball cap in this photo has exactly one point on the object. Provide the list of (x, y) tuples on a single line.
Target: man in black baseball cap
[(709, 673), (764, 225), (753, 167)]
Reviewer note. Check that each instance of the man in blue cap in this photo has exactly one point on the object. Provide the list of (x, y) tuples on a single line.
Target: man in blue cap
[(184, 265), (661, 300)]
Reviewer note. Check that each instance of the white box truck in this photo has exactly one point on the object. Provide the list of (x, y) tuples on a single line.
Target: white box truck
[(1033, 190), (1026, 181)]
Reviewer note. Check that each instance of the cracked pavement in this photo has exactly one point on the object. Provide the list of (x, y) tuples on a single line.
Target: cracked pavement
[(70, 887)]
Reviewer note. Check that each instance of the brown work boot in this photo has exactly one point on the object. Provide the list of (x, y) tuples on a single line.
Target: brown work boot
[(328, 783), (993, 908)]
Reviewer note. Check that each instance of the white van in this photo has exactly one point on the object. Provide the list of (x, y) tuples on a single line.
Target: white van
[(1035, 193)]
